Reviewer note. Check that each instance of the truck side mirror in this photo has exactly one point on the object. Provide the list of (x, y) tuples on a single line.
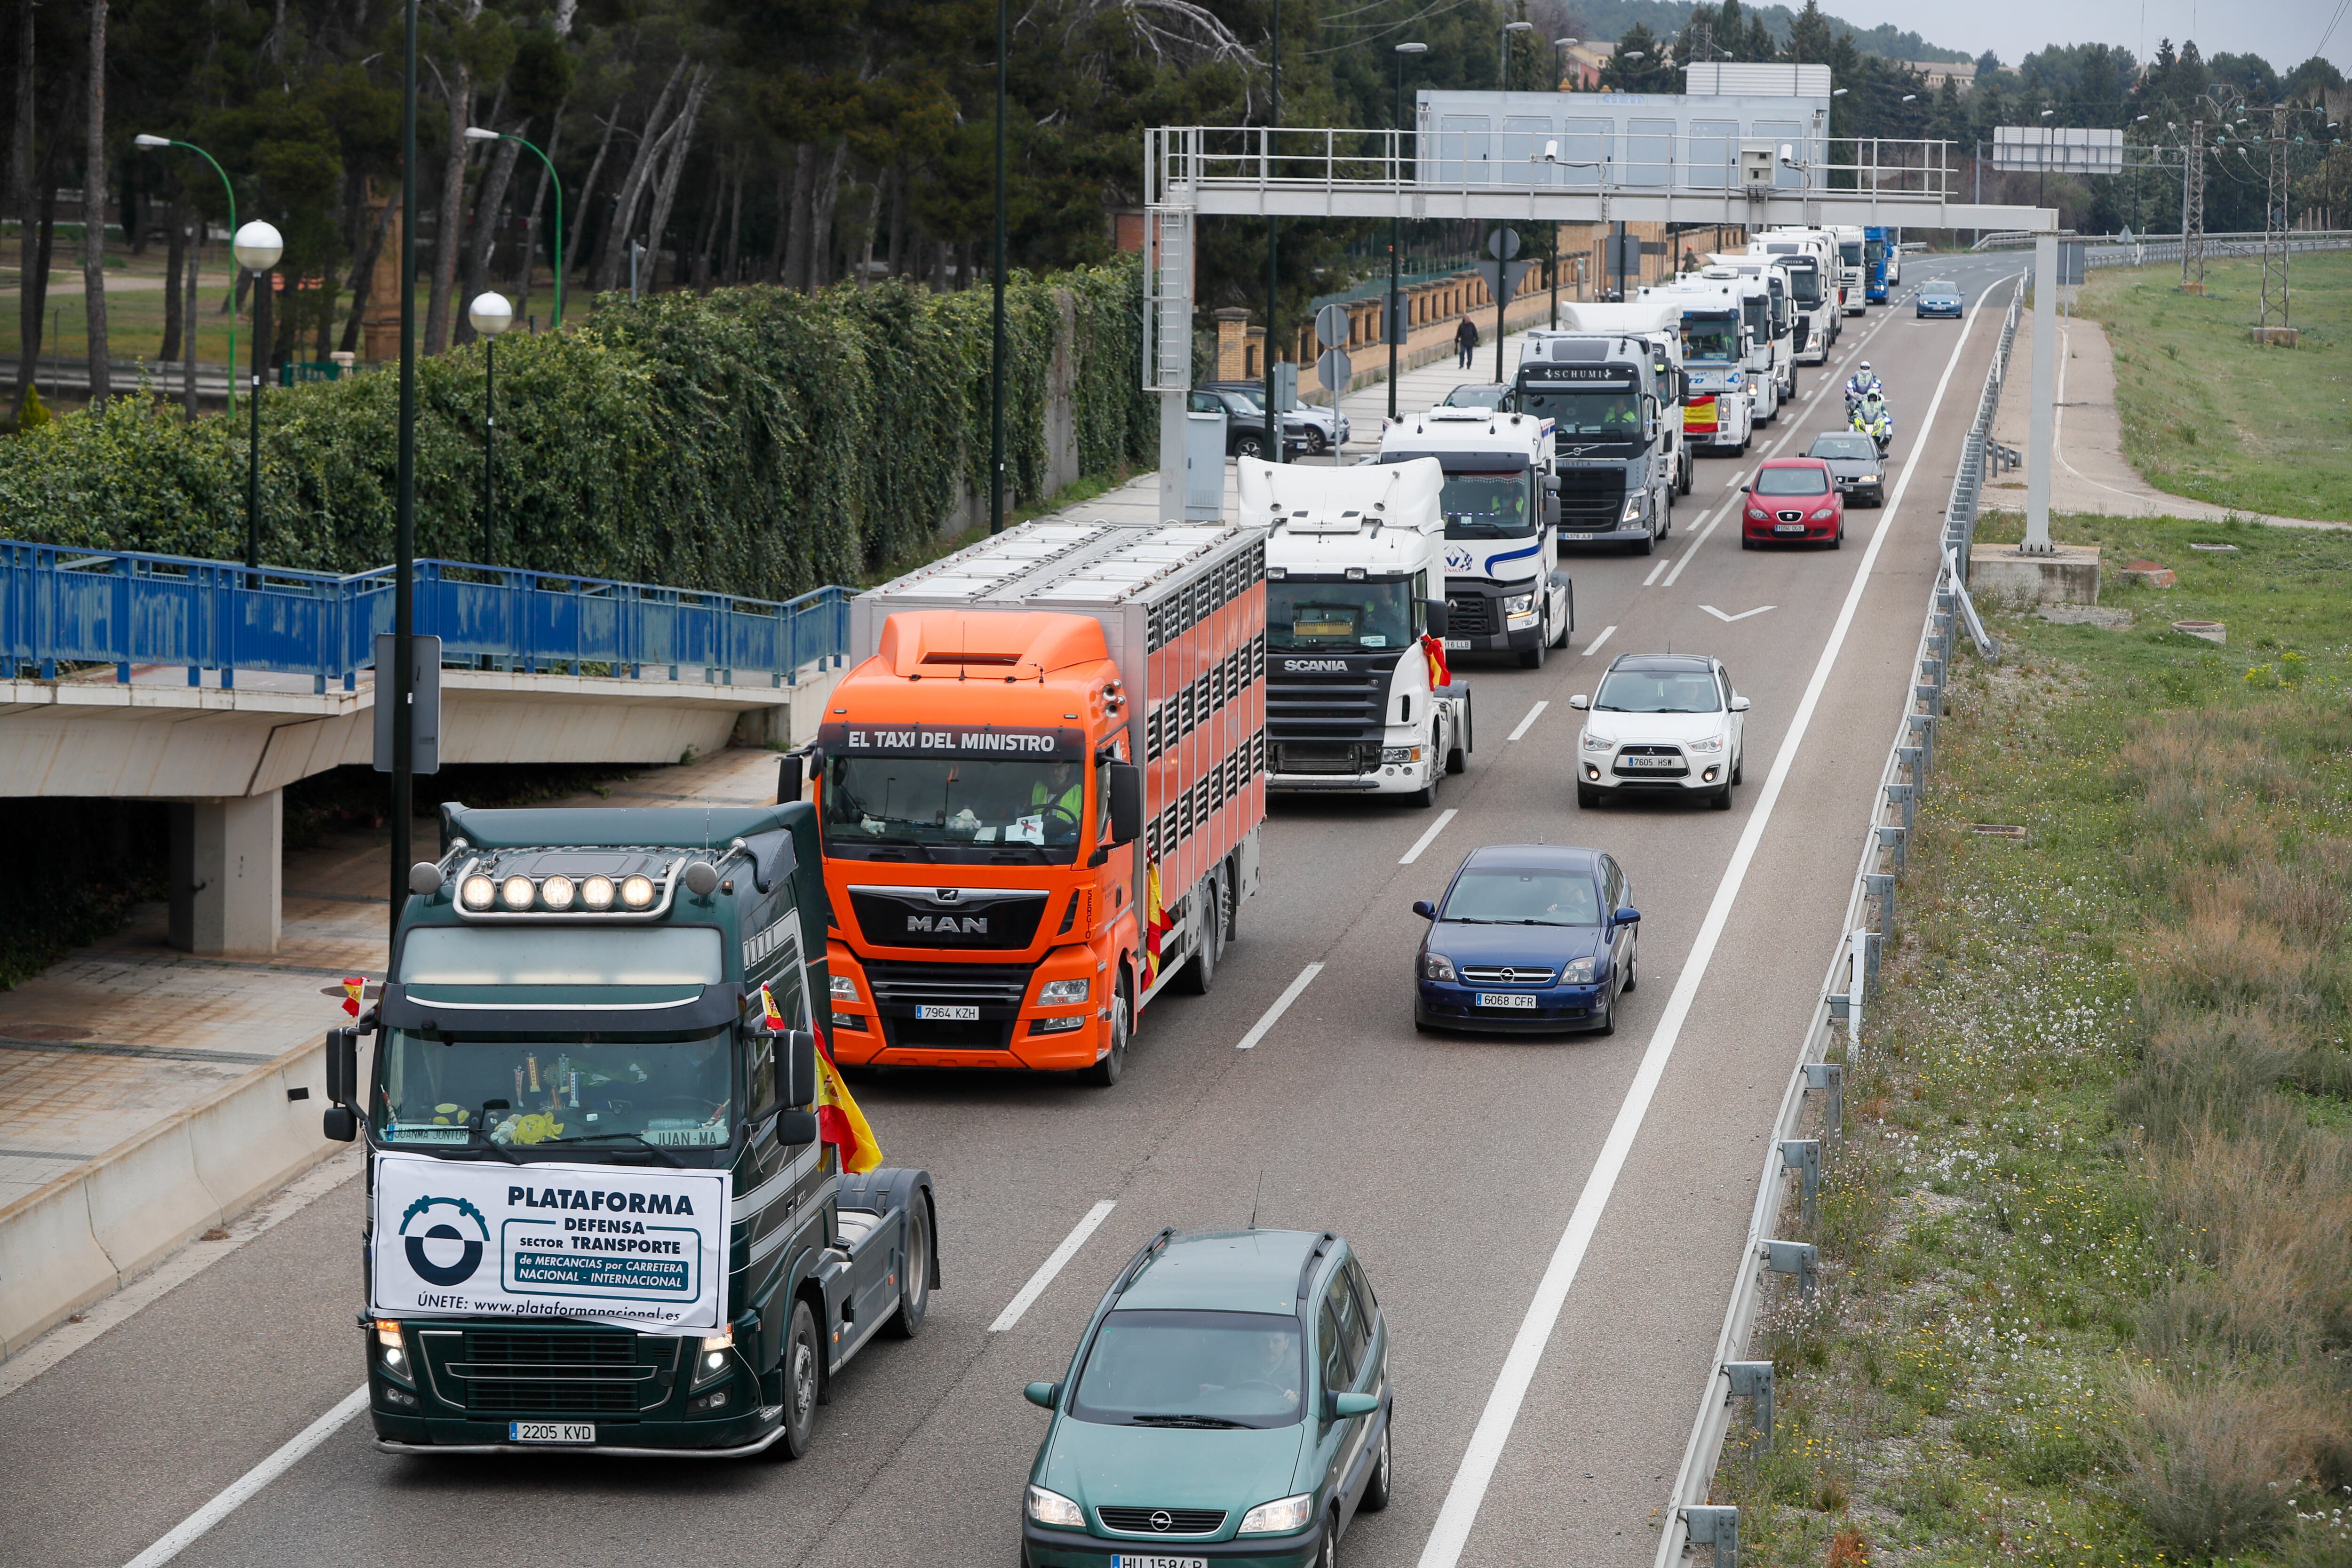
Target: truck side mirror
[(798, 1053), (341, 1124), (792, 777), (1439, 619), (1552, 509), (1126, 803), (796, 1127), (342, 1067)]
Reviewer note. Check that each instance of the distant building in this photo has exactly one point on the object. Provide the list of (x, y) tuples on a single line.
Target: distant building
[(1962, 74), (1581, 71)]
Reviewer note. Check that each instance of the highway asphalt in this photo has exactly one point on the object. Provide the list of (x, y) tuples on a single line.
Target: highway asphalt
[(1457, 1166)]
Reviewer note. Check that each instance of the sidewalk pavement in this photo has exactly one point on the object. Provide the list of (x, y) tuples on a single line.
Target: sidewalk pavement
[(113, 1041), (1138, 500), (2092, 475)]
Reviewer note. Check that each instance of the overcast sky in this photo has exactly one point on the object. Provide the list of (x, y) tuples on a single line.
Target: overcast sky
[(2284, 32)]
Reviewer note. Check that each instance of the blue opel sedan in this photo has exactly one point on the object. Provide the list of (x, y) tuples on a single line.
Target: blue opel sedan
[(1529, 939), (1939, 297)]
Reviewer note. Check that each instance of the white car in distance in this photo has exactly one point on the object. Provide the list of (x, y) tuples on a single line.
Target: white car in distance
[(1661, 723)]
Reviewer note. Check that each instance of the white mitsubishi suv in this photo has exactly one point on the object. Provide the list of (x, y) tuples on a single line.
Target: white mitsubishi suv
[(1662, 723)]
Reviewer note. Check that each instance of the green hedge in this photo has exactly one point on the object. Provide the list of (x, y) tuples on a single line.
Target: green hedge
[(751, 440)]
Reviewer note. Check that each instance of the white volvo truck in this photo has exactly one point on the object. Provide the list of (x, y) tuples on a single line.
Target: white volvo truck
[(1773, 347), (1355, 580), (1809, 256), (1504, 590), (1720, 410)]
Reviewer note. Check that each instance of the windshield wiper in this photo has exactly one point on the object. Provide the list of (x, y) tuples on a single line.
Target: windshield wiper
[(1210, 1421), (667, 1157)]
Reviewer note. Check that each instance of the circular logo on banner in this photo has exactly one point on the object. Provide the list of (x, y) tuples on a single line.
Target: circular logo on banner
[(445, 1238)]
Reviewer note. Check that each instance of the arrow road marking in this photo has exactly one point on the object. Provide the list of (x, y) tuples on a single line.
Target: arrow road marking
[(1742, 616)]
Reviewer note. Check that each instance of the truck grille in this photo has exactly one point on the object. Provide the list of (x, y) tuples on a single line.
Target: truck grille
[(1592, 499), (552, 1397), (539, 1347), (1469, 615), (983, 919), (995, 989), (1334, 707), (1340, 757), (536, 1372), (1146, 1520)]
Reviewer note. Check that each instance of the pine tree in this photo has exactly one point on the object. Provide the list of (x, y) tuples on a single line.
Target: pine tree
[(1809, 39)]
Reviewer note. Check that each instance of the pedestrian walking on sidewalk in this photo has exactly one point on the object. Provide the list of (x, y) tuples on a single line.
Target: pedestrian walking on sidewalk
[(1465, 342)]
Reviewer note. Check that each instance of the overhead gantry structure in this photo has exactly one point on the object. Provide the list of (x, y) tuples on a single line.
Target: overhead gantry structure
[(1516, 175)]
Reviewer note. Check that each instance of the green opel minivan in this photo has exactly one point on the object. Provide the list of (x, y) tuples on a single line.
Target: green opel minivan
[(1228, 1405)]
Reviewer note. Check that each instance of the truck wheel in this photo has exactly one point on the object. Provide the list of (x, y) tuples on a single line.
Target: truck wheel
[(1113, 1067), (1200, 974), (1533, 658), (915, 1275), (1649, 543), (1426, 795), (803, 1382)]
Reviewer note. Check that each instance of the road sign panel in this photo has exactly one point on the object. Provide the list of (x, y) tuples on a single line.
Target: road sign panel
[(1503, 244), (1331, 326), (1336, 369)]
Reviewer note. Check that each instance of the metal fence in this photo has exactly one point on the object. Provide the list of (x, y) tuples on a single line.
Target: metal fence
[(1978, 450), (65, 606), (1815, 1094), (2106, 250)]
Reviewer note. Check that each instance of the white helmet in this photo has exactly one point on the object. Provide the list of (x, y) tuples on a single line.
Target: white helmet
[(1866, 365)]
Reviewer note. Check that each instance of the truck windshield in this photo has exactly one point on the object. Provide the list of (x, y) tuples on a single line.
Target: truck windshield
[(1609, 415), (1031, 808), (539, 1093), (1710, 337), (1487, 506), (1850, 252), (1317, 617), (1156, 1368), (1805, 285)]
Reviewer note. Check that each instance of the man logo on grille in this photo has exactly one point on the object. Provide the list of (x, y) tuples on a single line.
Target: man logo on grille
[(1161, 1519), (429, 1244)]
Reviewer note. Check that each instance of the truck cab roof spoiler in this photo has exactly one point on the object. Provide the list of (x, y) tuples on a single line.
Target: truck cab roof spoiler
[(714, 1007)]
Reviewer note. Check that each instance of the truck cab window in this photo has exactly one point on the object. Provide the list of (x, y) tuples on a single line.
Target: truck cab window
[(1488, 505), (1365, 616), (545, 1094), (931, 807)]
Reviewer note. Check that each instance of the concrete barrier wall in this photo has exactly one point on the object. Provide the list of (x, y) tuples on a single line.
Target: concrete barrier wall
[(91, 1231)]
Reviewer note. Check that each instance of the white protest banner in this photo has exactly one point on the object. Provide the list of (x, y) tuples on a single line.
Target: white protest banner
[(638, 1248)]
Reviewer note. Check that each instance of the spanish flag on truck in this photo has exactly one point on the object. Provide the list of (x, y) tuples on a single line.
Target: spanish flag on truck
[(838, 1121)]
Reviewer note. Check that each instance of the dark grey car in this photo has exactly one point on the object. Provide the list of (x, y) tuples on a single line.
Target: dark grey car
[(1856, 464)]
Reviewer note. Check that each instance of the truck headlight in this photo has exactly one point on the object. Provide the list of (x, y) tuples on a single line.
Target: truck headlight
[(1576, 971), (1279, 1516), (1398, 756), (1053, 1508), (1519, 605), (845, 987), (1063, 993), (1437, 966), (1632, 510)]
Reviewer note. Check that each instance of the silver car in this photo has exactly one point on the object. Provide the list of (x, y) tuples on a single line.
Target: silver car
[(1856, 466)]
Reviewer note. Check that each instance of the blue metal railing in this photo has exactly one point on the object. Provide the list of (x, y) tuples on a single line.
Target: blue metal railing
[(63, 605)]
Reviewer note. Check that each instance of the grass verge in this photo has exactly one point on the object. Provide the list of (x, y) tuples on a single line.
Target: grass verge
[(2205, 413), (2086, 1286)]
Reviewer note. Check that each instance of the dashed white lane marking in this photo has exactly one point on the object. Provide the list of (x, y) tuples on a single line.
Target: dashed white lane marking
[(1695, 543), (1451, 1534), (1594, 645), (1527, 724), (1662, 565), (1290, 993), (1054, 1264), (1428, 834)]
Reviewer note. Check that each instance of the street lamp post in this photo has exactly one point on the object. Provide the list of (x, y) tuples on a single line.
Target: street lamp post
[(1563, 46), (490, 315), (1396, 227), (149, 143), (1274, 453), (258, 246), (996, 286), (404, 547), (476, 133), (1503, 59)]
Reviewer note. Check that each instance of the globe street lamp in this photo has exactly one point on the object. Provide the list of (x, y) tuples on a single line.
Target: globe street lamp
[(476, 133), (1396, 228), (149, 143), (490, 315), (258, 246)]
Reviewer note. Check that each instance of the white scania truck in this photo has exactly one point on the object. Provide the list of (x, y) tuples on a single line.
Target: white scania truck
[(1355, 578), (1504, 590)]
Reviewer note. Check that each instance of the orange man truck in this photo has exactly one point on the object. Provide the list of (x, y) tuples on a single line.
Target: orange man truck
[(1041, 791)]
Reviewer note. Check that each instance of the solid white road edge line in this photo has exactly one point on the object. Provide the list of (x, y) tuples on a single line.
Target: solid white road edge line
[(1282, 1003), (1053, 1265), (1451, 1534), (1534, 714), (1594, 645), (235, 1494), (1432, 831)]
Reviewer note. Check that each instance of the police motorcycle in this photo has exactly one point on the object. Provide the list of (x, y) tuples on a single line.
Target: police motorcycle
[(1862, 383), (1871, 418)]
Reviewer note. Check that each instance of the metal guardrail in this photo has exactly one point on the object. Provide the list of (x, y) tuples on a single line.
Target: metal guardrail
[(62, 606), (2106, 251), (1846, 991), (1978, 448)]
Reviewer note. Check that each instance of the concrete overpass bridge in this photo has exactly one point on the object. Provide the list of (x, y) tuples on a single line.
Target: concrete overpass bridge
[(211, 686)]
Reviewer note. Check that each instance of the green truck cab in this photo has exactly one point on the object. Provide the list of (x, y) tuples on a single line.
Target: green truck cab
[(599, 1211)]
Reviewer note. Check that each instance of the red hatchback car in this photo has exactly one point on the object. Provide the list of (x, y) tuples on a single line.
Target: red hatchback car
[(1794, 501)]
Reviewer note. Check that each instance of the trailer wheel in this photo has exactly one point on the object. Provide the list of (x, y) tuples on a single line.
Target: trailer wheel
[(804, 1371), (1233, 898), (1113, 1066), (1201, 972), (915, 1274)]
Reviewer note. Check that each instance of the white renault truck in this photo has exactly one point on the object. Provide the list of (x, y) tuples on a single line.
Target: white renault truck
[(1355, 581), (1809, 257), (1504, 590), (1720, 409)]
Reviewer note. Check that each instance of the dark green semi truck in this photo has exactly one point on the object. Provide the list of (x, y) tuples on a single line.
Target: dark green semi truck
[(600, 1214)]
